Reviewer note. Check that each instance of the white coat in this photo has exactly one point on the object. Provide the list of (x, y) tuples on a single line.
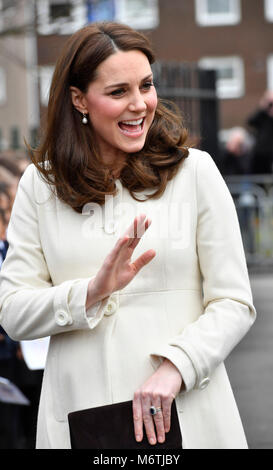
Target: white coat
[(192, 303)]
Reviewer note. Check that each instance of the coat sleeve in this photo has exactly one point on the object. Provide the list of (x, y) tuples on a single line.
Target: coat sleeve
[(30, 305), (227, 299)]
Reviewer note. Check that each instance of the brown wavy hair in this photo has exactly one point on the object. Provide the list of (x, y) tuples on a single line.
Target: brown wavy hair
[(68, 157)]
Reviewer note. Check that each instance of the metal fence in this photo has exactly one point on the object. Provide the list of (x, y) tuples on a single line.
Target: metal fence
[(253, 197), (194, 92)]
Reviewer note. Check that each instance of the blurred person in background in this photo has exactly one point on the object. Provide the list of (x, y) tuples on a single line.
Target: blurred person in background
[(10, 173), (237, 153), (17, 423), (3, 230), (11, 165), (9, 413), (261, 124), (22, 161), (237, 159), (5, 197)]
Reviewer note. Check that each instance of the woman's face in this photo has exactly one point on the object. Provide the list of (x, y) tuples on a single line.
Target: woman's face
[(121, 104)]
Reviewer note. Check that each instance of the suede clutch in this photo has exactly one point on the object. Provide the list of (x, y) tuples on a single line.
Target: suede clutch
[(111, 427)]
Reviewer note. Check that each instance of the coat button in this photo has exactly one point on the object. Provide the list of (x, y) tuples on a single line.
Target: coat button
[(204, 383), (62, 318), (111, 307)]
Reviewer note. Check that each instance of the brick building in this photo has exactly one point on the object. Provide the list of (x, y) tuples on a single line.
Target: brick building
[(19, 98), (235, 37)]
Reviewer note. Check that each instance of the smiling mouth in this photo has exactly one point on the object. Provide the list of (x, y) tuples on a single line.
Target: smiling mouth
[(133, 128)]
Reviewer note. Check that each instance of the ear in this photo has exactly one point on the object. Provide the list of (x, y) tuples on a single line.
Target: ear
[(78, 99)]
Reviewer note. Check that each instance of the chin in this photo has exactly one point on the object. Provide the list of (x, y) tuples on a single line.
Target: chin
[(134, 147)]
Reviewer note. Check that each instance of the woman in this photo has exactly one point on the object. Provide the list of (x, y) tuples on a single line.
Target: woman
[(151, 330)]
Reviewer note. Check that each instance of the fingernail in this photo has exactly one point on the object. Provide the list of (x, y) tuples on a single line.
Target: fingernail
[(152, 441), (161, 439), (138, 438)]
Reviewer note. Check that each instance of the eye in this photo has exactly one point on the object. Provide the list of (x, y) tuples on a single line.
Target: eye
[(118, 92), (147, 85)]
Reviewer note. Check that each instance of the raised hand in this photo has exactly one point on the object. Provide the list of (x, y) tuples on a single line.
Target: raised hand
[(118, 269)]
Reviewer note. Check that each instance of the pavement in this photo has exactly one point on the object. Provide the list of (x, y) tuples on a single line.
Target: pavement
[(250, 368)]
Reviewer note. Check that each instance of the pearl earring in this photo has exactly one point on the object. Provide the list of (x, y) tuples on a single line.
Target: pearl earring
[(84, 119)]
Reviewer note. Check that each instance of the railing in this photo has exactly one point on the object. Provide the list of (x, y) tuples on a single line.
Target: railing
[(253, 197), (194, 92)]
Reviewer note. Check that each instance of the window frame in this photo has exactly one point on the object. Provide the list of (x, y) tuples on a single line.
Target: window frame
[(62, 25), (268, 10), (204, 18), (45, 78), (227, 88), (3, 86), (270, 72), (149, 19)]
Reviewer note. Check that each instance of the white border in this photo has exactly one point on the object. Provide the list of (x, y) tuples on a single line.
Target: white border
[(63, 25), (139, 14), (204, 18), (227, 88), (45, 77), (268, 10), (3, 86), (270, 72)]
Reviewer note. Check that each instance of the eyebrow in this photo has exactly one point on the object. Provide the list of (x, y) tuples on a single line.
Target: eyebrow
[(125, 83)]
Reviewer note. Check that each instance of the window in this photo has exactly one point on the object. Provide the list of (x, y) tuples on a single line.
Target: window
[(34, 137), (14, 138), (230, 75), (61, 16), (217, 12), (60, 10), (139, 14), (268, 9), (270, 72), (3, 86), (46, 73), (4, 145)]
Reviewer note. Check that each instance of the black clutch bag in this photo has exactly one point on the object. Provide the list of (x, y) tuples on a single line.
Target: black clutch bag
[(112, 427)]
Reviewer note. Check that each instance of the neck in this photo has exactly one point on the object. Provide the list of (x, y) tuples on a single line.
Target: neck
[(116, 167), (115, 171)]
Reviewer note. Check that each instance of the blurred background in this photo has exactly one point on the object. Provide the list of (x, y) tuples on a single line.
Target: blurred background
[(215, 60)]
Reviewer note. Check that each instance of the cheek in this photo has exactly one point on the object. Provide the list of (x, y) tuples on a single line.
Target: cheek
[(105, 109), (152, 102)]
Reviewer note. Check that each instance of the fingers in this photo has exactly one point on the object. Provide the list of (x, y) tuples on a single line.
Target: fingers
[(130, 239), (138, 418), (157, 425), (133, 234), (158, 420), (137, 229), (166, 411), (142, 416), (120, 244), (144, 259)]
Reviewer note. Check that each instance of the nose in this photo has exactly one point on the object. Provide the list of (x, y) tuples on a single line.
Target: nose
[(137, 102)]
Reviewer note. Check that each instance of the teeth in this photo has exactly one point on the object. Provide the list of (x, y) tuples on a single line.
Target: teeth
[(133, 123)]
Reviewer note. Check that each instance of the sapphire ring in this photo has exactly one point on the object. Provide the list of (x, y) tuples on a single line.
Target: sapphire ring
[(154, 410)]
